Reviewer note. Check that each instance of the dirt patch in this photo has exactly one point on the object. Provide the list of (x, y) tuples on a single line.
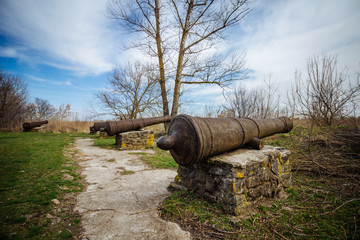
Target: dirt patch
[(119, 205)]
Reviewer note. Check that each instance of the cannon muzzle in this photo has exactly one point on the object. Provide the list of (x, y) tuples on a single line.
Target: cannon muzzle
[(191, 139), (30, 125), (116, 127)]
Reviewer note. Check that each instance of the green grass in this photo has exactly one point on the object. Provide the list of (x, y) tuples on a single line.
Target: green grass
[(138, 153), (107, 143), (304, 215), (126, 172), (32, 166), (161, 159), (191, 208)]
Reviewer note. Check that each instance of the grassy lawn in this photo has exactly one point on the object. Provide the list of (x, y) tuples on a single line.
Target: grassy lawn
[(308, 213), (37, 183), (107, 143), (161, 159)]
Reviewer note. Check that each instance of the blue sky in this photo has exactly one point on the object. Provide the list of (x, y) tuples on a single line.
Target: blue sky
[(66, 49)]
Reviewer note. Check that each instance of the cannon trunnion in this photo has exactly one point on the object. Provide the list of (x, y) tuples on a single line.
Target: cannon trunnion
[(191, 139)]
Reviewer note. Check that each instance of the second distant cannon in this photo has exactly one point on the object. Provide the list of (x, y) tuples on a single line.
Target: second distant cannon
[(115, 127)]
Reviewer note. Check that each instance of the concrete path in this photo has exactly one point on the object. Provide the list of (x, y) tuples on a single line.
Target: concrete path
[(120, 204)]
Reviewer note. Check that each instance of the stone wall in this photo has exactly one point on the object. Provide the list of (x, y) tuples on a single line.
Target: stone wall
[(240, 178), (135, 139)]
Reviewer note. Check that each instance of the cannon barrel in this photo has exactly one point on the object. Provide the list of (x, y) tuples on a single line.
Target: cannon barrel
[(30, 125), (191, 139), (115, 127), (99, 125)]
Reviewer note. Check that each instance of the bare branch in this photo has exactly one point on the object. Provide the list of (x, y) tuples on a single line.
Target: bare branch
[(133, 91), (324, 97)]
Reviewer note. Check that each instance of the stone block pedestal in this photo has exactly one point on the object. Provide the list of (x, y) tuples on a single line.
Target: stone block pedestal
[(240, 178), (135, 139), (103, 134)]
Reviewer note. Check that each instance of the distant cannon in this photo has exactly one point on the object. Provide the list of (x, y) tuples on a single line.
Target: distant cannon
[(99, 126), (116, 127), (191, 139), (30, 125)]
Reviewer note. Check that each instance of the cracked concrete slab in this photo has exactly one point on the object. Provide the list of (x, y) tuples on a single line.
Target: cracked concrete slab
[(116, 205)]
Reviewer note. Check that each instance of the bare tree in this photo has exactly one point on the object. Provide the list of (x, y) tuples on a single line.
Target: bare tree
[(267, 102), (184, 30), (258, 103), (326, 93), (43, 109), (13, 100), (241, 102), (212, 111), (63, 112), (133, 91)]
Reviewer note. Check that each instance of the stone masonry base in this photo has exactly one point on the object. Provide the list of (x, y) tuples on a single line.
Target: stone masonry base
[(238, 179), (135, 139)]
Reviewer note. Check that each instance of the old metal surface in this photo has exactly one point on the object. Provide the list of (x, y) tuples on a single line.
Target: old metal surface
[(191, 139), (115, 127), (99, 125), (30, 125), (92, 130)]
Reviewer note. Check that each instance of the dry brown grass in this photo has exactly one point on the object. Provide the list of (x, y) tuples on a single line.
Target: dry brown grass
[(54, 126), (348, 122), (58, 126)]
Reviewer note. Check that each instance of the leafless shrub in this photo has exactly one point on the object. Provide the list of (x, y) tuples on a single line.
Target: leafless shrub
[(258, 103), (326, 94), (13, 101), (211, 111), (63, 112)]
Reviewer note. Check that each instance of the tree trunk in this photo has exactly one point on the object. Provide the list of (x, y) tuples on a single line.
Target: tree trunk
[(179, 68), (161, 65)]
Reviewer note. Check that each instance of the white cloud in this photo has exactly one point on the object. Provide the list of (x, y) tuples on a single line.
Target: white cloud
[(281, 35), (278, 37), (53, 82), (8, 52), (72, 35)]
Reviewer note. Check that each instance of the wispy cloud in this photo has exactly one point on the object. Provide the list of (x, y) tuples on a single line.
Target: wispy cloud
[(53, 82), (279, 36), (72, 35)]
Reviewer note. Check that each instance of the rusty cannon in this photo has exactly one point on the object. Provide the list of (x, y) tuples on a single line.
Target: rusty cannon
[(116, 127), (30, 125), (191, 139), (98, 126)]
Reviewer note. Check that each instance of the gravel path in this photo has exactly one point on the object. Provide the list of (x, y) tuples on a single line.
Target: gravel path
[(122, 196)]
